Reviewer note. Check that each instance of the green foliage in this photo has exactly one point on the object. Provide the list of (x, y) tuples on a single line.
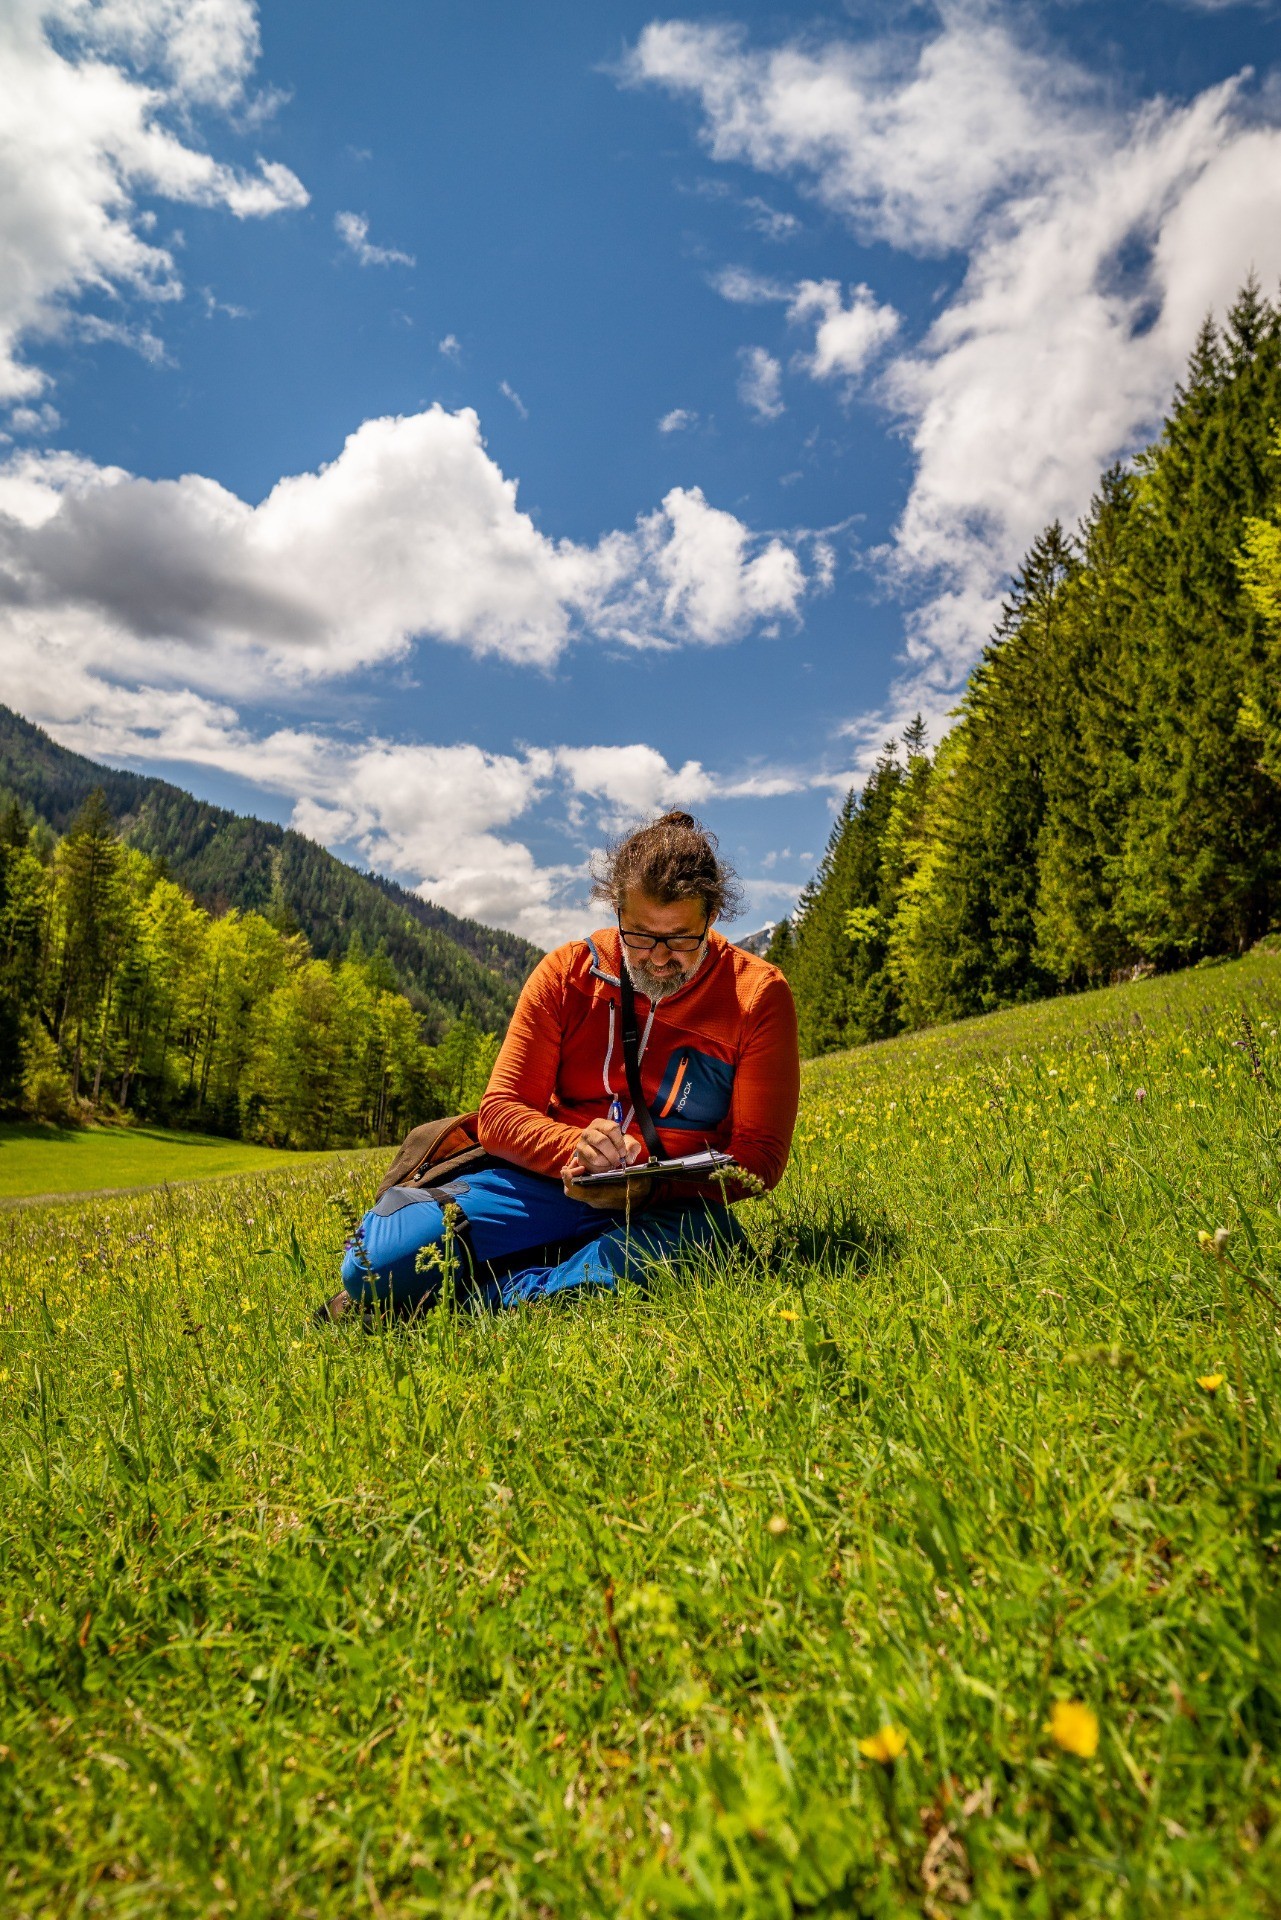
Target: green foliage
[(443, 964), (1110, 797), (20, 902), (838, 976), (1259, 719), (586, 1609), (119, 995), (1201, 855)]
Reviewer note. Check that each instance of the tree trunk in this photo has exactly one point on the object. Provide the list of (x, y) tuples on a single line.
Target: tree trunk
[(102, 1050)]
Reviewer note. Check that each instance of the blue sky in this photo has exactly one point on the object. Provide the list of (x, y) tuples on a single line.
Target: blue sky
[(460, 429)]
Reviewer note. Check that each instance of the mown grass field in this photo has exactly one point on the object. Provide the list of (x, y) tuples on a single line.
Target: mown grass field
[(38, 1160), (587, 1610)]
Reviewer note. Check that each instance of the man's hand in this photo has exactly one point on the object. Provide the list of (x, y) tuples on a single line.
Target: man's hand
[(601, 1147)]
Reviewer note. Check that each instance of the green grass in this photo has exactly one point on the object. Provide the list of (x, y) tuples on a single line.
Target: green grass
[(585, 1610), (39, 1160)]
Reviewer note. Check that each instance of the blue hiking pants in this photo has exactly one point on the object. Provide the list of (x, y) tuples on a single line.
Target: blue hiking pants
[(507, 1212)]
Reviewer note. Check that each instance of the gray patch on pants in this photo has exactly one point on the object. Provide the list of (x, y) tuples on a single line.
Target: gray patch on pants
[(397, 1197)]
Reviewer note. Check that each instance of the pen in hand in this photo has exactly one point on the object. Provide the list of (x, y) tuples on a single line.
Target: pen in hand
[(616, 1115)]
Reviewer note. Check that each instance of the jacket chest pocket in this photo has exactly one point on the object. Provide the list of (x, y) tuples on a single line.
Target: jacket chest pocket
[(694, 1091)]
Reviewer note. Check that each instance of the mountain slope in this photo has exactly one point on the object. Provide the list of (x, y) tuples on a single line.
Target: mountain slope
[(446, 965)]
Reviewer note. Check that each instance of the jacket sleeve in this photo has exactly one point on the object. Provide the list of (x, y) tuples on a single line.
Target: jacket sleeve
[(514, 1123), (767, 1091), (767, 1085)]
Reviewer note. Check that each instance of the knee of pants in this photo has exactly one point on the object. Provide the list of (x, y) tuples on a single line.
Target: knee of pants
[(603, 1262), (382, 1262), (670, 1232), (592, 1266)]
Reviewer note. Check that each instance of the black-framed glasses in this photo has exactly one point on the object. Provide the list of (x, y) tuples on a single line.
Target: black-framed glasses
[(674, 942)]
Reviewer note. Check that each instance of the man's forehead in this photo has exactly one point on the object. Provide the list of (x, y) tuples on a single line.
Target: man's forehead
[(638, 907)]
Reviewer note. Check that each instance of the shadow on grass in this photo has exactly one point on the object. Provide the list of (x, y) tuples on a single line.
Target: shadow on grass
[(52, 1135), (831, 1238), (42, 1130), (834, 1239)]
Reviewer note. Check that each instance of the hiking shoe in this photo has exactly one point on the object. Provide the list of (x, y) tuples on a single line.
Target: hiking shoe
[(332, 1309)]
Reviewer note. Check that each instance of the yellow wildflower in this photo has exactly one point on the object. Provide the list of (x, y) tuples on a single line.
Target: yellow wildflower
[(1075, 1727), (886, 1745), (1209, 1382), (785, 1313)]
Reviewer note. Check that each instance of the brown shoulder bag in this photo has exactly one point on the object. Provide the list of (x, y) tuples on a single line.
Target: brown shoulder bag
[(437, 1151)]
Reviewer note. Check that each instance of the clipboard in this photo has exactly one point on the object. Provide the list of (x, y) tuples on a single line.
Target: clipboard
[(704, 1165)]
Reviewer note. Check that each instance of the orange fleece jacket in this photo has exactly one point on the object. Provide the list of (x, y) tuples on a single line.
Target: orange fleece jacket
[(720, 1066)]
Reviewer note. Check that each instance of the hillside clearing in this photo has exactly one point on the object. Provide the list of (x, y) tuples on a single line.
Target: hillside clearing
[(72, 1162), (924, 1562)]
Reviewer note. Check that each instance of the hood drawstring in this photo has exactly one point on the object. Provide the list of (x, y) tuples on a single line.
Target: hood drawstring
[(609, 1056)]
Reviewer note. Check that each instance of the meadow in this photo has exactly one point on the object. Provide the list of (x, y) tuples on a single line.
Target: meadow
[(38, 1160), (923, 1561)]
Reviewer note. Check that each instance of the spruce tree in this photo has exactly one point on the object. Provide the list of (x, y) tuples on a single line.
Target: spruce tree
[(10, 1004), (1260, 564), (836, 953), (1091, 747), (779, 951), (1201, 863), (978, 940)]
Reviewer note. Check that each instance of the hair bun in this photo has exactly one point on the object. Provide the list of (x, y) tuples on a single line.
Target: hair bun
[(671, 858)]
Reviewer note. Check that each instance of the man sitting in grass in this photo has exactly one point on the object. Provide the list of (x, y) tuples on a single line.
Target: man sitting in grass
[(718, 1067)]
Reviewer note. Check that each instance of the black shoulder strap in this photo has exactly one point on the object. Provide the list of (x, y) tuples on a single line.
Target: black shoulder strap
[(631, 1062)]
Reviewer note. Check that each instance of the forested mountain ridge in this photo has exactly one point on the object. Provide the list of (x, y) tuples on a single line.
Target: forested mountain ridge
[(1109, 798), (122, 998), (446, 966)]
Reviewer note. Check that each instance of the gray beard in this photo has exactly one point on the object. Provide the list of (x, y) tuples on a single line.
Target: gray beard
[(651, 985)]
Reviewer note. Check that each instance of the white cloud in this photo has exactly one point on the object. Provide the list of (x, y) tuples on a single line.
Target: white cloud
[(509, 393), (35, 420), (450, 347), (696, 579), (83, 136), (768, 221), (412, 531), (677, 420), (1095, 238), (138, 339), (759, 380), (206, 48), (214, 305), (912, 141), (443, 818), (846, 337), (438, 816), (748, 289), (633, 780), (353, 230)]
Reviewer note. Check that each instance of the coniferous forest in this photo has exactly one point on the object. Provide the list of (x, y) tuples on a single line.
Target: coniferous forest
[(121, 996), (1109, 797)]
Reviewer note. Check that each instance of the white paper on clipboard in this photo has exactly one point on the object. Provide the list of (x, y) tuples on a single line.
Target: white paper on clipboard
[(710, 1160)]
